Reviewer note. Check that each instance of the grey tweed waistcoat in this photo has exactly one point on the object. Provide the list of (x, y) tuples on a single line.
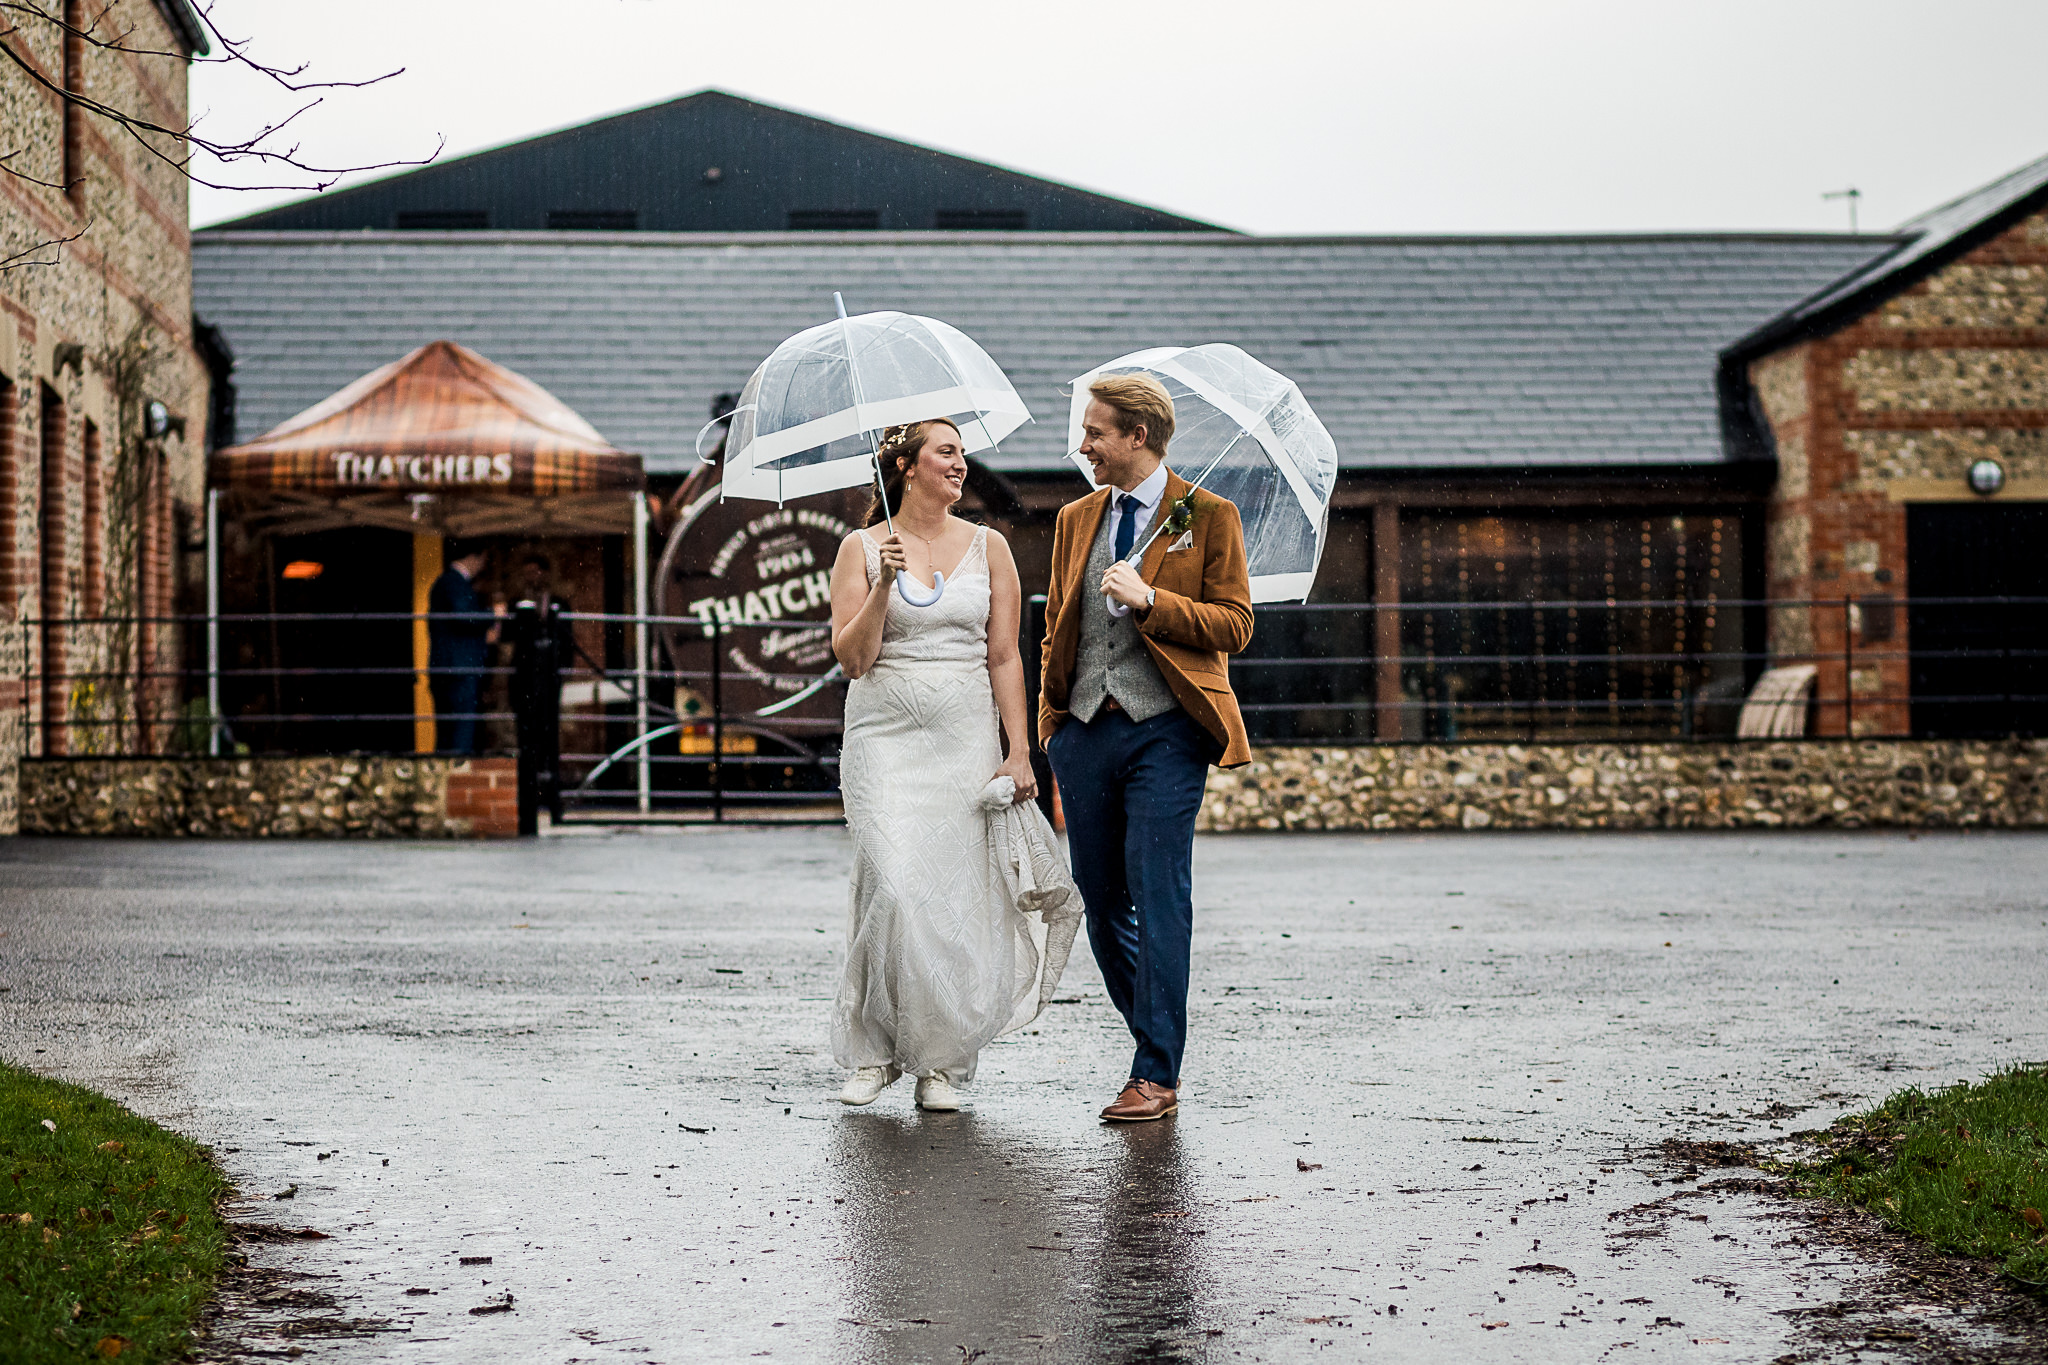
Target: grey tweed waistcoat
[(1110, 659)]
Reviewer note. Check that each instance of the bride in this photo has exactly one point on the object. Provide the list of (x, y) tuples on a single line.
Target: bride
[(962, 911)]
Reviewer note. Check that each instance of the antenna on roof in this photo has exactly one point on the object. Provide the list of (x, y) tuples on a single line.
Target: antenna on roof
[(1852, 194)]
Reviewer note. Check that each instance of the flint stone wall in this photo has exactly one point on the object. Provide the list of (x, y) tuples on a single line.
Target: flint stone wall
[(255, 798), (1840, 784)]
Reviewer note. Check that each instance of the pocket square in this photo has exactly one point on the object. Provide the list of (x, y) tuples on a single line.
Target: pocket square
[(1186, 542)]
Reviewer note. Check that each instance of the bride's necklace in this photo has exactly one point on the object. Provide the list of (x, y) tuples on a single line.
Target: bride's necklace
[(928, 545)]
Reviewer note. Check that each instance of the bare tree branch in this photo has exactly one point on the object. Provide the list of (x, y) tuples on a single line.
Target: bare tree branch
[(19, 260), (233, 50), (24, 175), (229, 151)]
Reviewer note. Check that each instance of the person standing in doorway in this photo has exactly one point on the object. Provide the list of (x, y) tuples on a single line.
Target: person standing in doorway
[(537, 583), (458, 651)]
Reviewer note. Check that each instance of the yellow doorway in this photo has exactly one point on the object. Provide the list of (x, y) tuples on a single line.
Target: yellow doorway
[(426, 567)]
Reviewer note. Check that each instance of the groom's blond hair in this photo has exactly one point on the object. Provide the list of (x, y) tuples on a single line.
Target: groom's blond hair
[(1139, 400)]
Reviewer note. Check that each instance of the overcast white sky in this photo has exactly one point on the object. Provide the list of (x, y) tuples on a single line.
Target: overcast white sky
[(1370, 116)]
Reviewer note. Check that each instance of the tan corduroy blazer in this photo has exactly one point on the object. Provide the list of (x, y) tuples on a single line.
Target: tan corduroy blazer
[(1200, 617)]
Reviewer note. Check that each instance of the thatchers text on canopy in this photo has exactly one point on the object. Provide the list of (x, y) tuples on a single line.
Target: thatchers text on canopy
[(442, 440)]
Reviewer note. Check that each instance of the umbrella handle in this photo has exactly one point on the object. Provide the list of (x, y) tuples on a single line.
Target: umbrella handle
[(937, 590), (699, 445)]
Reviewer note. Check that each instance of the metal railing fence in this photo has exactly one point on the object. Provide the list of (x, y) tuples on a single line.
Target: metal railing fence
[(714, 733), (1640, 669), (690, 748)]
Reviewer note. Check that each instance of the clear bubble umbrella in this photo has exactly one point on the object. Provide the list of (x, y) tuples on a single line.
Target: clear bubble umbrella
[(811, 417), (1244, 432)]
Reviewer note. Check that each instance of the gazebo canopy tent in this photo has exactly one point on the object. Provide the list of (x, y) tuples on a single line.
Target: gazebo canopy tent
[(440, 443)]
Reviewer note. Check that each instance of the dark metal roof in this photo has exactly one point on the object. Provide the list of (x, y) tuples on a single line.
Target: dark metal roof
[(1498, 353), (1924, 245), (713, 162)]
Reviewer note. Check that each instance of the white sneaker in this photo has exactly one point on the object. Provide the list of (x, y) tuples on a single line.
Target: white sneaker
[(935, 1092), (865, 1084)]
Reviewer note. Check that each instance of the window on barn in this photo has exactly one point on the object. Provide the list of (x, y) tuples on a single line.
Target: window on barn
[(981, 220), (594, 220), (834, 220), (1529, 626), (1604, 626), (442, 220)]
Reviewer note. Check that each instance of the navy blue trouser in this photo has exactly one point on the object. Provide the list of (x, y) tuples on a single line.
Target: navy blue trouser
[(1131, 791), (460, 696)]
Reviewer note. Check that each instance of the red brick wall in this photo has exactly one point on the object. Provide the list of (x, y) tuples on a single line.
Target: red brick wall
[(1885, 412), (485, 792)]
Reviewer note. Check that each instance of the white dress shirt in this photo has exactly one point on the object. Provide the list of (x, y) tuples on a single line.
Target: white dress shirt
[(1148, 495)]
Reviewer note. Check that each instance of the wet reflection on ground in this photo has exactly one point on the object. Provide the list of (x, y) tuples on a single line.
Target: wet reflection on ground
[(945, 1216), (1147, 1293), (964, 1235)]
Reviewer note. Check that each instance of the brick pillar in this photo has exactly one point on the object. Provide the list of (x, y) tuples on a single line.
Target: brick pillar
[(92, 550), (11, 584), (52, 553), (12, 690), (152, 540), (484, 792)]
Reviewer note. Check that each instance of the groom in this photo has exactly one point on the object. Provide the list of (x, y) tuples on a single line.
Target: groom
[(1134, 707)]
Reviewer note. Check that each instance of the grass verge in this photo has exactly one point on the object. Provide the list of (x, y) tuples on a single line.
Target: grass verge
[(1965, 1168), (110, 1239)]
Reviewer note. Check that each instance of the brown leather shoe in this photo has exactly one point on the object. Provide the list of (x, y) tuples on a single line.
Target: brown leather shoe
[(1141, 1102)]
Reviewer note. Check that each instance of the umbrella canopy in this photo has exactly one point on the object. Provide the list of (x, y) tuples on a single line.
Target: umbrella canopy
[(809, 417), (442, 435), (1243, 432)]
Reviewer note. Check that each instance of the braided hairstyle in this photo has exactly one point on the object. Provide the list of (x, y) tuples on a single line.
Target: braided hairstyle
[(899, 450)]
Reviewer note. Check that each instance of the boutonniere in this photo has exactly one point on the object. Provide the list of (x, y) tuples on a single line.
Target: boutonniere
[(1181, 515)]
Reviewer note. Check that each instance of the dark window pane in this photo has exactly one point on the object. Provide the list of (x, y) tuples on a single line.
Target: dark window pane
[(972, 220), (834, 220), (1608, 625), (443, 220), (594, 220)]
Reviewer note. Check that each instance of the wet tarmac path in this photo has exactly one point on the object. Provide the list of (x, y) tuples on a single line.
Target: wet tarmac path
[(1423, 1077)]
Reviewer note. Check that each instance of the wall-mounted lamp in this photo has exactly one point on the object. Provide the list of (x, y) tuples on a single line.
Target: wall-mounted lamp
[(304, 569), (69, 355), (159, 421), (1986, 477)]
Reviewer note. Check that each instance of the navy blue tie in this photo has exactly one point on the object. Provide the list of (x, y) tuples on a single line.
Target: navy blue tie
[(1127, 524)]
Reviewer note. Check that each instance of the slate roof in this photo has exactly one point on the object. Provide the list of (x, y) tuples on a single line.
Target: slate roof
[(1418, 353), (1924, 245)]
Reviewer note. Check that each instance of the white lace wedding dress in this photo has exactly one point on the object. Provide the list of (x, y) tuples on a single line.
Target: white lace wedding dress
[(962, 910)]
